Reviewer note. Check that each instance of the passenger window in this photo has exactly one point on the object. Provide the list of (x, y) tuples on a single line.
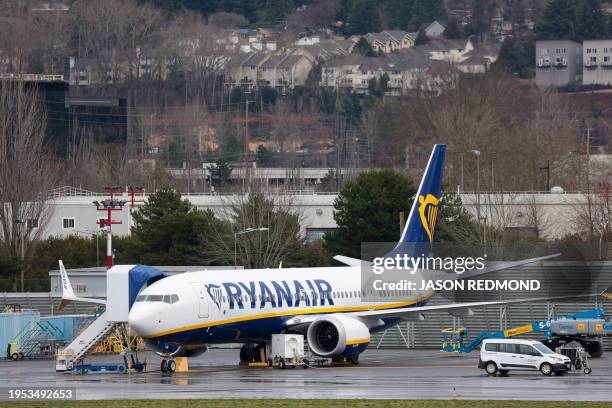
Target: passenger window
[(491, 347), (507, 348), (527, 350)]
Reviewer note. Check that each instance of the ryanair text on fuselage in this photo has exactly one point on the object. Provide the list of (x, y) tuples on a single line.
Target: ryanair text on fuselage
[(315, 292)]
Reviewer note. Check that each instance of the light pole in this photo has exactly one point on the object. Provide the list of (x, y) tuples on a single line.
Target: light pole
[(462, 154), (477, 154), (150, 131), (22, 233), (93, 234), (246, 231)]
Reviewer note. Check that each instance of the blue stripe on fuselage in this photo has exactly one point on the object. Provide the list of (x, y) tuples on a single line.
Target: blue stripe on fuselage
[(256, 330)]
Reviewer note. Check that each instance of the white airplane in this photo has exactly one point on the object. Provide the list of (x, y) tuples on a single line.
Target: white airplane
[(180, 315)]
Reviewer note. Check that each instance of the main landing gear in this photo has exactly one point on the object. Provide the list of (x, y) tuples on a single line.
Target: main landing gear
[(168, 366), (253, 354)]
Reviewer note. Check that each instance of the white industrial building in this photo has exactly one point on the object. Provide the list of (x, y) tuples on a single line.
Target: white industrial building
[(554, 215)]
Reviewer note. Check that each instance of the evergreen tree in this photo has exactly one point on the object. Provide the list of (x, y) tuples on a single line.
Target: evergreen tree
[(220, 172), (591, 20), (452, 30), (422, 38), (479, 24), (398, 14), (367, 210), (171, 231), (558, 21), (363, 18), (516, 56), (264, 156), (363, 47), (425, 12), (277, 10)]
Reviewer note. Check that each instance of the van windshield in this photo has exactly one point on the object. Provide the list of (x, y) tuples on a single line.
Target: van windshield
[(543, 349)]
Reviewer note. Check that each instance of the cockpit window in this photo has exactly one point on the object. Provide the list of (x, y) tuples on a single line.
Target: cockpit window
[(141, 298), (155, 298), (170, 299)]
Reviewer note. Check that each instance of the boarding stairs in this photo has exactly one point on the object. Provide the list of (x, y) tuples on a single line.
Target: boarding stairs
[(84, 342), (39, 339)]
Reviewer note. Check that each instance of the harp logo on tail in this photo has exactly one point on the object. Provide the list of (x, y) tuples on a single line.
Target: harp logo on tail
[(428, 210)]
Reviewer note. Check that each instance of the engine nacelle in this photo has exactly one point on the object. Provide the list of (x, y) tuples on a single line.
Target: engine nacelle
[(337, 335), (169, 350)]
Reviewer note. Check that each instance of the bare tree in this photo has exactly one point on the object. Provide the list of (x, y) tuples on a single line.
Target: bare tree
[(117, 34), (593, 215), (27, 169), (536, 216), (196, 52), (264, 228), (227, 20)]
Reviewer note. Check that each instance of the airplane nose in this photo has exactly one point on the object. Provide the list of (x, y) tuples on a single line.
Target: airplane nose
[(140, 320)]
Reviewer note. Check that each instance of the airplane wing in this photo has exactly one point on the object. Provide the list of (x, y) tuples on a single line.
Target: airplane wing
[(455, 309), (373, 318), (500, 266), (494, 266), (350, 261), (67, 292)]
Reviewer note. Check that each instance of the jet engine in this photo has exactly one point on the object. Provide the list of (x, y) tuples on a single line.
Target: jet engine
[(337, 335), (166, 350)]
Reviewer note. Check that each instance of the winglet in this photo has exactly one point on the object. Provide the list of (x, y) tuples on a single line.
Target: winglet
[(67, 292)]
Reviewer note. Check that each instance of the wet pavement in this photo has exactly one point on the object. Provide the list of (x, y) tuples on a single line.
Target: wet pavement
[(394, 374)]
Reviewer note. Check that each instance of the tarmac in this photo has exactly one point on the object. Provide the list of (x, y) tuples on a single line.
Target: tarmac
[(382, 374)]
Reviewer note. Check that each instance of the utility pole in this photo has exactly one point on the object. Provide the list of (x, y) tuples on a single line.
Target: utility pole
[(547, 168), (462, 154), (245, 149), (478, 183), (22, 232), (477, 154)]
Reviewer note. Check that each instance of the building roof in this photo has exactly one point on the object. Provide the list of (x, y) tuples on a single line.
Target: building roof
[(291, 60), (273, 61), (442, 23), (443, 44), (257, 58), (399, 34)]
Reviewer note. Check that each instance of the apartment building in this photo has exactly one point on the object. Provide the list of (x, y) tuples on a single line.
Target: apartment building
[(597, 62), (283, 71), (558, 62), (390, 40)]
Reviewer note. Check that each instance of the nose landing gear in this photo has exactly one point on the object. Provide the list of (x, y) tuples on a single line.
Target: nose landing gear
[(168, 366)]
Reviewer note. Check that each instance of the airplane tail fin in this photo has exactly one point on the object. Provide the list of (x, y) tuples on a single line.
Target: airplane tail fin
[(420, 229), (67, 292)]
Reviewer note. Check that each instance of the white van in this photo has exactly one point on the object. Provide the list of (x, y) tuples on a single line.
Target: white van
[(503, 355)]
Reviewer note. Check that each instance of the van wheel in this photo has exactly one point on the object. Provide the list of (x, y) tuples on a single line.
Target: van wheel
[(546, 369), (504, 372), (491, 368)]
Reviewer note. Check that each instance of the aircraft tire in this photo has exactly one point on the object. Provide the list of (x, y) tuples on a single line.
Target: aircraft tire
[(247, 353)]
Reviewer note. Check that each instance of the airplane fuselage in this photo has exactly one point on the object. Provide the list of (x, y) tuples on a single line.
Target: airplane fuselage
[(250, 305)]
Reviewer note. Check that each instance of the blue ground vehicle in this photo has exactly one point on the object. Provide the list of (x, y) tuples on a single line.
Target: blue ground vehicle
[(585, 328)]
